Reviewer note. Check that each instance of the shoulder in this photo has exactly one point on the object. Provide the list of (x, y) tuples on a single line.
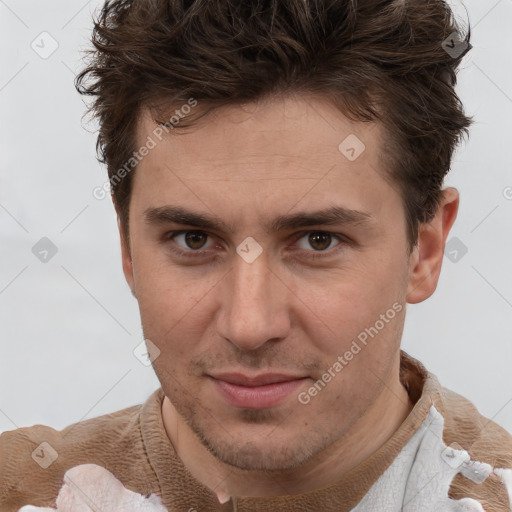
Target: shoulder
[(483, 438), (464, 428), (464, 425), (485, 441), (33, 460)]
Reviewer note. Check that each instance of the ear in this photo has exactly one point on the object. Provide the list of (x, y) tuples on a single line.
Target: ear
[(126, 257), (427, 257)]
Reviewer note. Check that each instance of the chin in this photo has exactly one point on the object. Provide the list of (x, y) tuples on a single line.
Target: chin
[(259, 456), (260, 448), (255, 439)]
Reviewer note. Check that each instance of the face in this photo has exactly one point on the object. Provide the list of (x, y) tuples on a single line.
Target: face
[(277, 323)]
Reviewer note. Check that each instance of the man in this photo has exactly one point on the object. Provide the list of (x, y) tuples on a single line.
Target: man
[(277, 171)]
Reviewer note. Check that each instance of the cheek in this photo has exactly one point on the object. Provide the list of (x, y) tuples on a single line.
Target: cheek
[(331, 306), (359, 360), (343, 303), (168, 296)]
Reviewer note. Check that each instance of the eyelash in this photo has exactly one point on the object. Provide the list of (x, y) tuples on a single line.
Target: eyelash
[(313, 256)]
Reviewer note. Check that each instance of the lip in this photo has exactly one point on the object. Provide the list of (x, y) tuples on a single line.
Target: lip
[(240, 379), (256, 392)]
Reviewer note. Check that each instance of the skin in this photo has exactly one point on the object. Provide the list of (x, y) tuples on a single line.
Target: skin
[(284, 312)]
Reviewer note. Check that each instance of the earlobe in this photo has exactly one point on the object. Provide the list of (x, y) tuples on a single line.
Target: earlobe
[(427, 258)]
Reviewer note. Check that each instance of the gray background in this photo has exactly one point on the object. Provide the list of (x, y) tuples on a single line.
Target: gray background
[(69, 326)]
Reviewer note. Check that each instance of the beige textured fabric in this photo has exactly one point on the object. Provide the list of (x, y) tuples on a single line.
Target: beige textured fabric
[(133, 445)]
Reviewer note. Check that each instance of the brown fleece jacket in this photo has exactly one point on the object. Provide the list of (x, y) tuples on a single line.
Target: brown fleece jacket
[(133, 445)]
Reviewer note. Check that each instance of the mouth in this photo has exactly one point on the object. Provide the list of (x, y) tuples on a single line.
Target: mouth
[(256, 392)]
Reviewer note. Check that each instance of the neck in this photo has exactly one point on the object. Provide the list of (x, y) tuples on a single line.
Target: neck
[(387, 412)]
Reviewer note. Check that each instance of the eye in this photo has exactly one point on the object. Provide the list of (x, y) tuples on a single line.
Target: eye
[(189, 241), (319, 240), (314, 244)]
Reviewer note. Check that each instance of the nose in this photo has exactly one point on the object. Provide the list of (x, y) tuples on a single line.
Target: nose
[(253, 309)]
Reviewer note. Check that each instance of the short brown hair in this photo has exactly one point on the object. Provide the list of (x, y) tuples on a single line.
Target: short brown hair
[(384, 60)]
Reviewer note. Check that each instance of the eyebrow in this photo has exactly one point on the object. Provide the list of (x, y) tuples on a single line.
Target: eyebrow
[(328, 216)]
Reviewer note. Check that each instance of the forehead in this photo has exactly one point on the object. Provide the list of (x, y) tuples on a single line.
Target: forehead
[(250, 129), (278, 151)]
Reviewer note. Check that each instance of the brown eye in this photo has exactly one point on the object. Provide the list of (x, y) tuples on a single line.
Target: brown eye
[(191, 241), (195, 239), (320, 240), (320, 244)]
